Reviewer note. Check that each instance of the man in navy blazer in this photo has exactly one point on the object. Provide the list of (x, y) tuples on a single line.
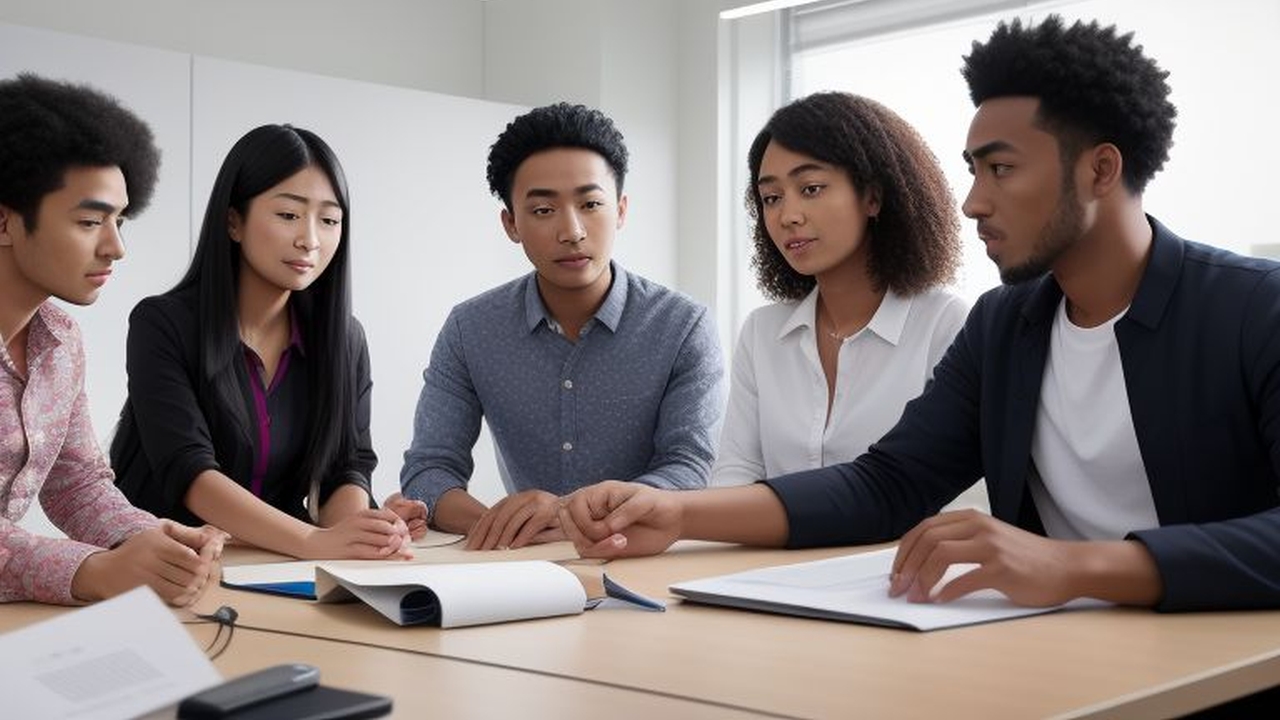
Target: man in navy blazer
[(1120, 393)]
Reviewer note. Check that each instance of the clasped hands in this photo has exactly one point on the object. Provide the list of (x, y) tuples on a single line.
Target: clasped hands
[(177, 561)]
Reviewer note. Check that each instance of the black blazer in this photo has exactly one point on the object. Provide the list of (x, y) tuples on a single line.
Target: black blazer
[(1200, 346), (173, 427)]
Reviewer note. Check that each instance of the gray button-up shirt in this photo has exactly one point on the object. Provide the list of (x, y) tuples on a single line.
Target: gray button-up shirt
[(638, 396)]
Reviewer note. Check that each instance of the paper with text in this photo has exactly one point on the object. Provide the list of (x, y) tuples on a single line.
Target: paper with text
[(118, 659)]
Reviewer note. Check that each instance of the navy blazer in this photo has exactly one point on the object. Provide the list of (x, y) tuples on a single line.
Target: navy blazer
[(1200, 346)]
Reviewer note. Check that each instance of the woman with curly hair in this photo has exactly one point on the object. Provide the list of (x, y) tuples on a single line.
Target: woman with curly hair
[(855, 229)]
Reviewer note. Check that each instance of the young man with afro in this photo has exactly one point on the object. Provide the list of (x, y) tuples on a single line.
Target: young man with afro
[(73, 165), (1120, 393)]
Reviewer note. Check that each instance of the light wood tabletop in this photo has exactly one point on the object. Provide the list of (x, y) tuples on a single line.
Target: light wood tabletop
[(1111, 662), (420, 685)]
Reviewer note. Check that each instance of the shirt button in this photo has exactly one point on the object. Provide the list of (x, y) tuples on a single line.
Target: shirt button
[(568, 384), (567, 446)]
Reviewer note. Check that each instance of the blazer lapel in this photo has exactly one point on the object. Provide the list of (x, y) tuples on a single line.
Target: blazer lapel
[(1151, 404), (1027, 354)]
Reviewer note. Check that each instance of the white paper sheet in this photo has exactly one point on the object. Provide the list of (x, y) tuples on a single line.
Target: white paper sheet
[(118, 659), (435, 548), (853, 588), (468, 594)]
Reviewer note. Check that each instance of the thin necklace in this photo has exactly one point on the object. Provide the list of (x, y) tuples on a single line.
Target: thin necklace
[(832, 332)]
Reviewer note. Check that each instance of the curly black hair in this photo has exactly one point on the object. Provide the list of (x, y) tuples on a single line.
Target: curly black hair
[(1093, 84), (554, 126), (915, 241), (49, 126)]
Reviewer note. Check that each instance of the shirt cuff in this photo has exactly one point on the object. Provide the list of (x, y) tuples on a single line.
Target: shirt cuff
[(429, 487), (52, 581)]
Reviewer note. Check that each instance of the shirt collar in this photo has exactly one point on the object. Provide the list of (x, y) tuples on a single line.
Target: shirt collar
[(50, 324), (48, 328), (609, 314), (888, 322)]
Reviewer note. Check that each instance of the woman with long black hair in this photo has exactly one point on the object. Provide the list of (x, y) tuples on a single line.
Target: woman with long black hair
[(249, 382)]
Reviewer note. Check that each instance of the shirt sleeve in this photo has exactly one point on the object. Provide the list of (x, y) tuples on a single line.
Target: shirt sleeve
[(171, 426), (690, 412), (740, 458), (358, 465), (446, 423), (80, 499), (1233, 564)]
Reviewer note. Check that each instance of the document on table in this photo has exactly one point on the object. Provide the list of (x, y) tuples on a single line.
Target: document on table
[(455, 595), (296, 578), (853, 588), (118, 659)]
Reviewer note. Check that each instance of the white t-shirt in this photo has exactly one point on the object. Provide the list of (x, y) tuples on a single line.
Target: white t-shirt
[(776, 422), (1092, 484)]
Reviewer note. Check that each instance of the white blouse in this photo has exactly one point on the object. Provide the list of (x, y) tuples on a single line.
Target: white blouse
[(777, 421)]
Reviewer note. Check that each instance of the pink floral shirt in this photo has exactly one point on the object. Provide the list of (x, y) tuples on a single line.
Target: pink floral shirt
[(48, 448)]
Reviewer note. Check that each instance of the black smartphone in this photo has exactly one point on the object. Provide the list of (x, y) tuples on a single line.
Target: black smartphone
[(319, 703), (221, 701)]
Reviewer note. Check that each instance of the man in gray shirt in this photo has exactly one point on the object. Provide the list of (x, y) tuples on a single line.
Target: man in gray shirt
[(585, 372)]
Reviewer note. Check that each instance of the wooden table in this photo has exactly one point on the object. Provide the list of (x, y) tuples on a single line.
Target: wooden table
[(1098, 663), (699, 661), (422, 686)]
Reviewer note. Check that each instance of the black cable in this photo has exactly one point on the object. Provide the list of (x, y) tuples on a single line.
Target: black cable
[(231, 630), (225, 617)]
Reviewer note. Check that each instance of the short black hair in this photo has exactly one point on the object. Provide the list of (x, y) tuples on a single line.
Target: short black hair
[(48, 127), (1094, 86), (914, 244), (549, 127)]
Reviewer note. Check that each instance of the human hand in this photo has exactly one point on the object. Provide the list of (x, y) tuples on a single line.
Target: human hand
[(363, 535), (412, 512), (517, 520), (621, 519), (1030, 569), (161, 557), (204, 539), (208, 542)]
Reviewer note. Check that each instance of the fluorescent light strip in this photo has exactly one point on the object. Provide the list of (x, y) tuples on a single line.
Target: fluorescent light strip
[(760, 7)]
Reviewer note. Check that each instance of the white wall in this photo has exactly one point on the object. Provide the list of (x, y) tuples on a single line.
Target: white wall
[(655, 66), (426, 44)]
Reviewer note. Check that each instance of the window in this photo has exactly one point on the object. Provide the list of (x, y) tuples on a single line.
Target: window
[(1221, 57)]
